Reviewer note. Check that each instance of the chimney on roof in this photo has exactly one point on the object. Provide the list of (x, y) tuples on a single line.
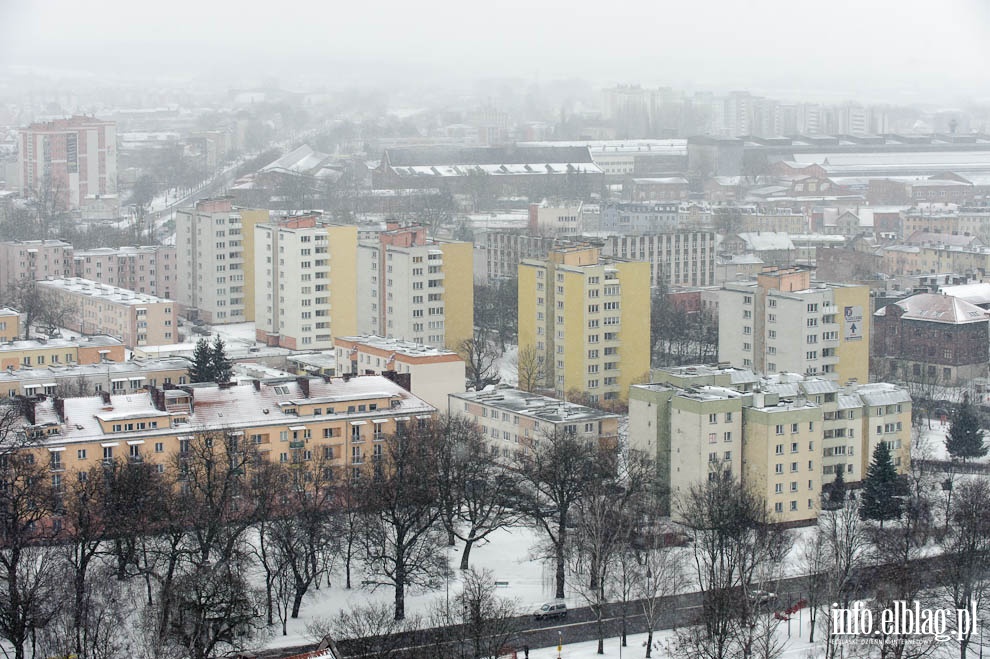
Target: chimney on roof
[(105, 396), (257, 384), (346, 376), (59, 405), (303, 383)]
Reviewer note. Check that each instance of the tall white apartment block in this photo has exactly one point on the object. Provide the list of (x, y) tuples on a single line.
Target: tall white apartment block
[(304, 282), (414, 288), (214, 250)]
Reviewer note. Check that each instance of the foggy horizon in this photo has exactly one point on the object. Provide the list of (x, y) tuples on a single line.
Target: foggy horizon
[(889, 52)]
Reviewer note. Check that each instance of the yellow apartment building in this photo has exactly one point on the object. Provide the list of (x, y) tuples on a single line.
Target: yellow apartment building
[(588, 320), (10, 325), (81, 379), (785, 436)]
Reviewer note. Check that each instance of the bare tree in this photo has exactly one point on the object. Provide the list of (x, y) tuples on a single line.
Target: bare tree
[(371, 630), (29, 581), (488, 621), (480, 361), (661, 575), (531, 368), (554, 474), (736, 548), (476, 487), (963, 579), (54, 312), (402, 531)]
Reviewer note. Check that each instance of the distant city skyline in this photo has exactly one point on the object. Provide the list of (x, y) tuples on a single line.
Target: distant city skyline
[(892, 52)]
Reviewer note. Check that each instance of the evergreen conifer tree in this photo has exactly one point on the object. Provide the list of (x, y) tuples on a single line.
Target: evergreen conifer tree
[(220, 364), (965, 438), (882, 489), (837, 490), (202, 366)]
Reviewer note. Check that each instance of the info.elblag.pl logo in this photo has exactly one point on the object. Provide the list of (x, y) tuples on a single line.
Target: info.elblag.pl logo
[(904, 619)]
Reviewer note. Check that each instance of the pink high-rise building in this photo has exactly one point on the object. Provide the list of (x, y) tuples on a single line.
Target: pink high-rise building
[(68, 158)]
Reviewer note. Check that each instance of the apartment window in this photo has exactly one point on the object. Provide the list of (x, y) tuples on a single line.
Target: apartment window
[(794, 486), (794, 428), (713, 418), (778, 468), (712, 437), (81, 454), (778, 507), (727, 437), (779, 449), (778, 488), (794, 466), (780, 429), (794, 506)]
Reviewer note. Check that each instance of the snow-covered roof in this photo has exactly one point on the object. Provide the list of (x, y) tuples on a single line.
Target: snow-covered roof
[(937, 308), (238, 406), (977, 293), (760, 241), (542, 408)]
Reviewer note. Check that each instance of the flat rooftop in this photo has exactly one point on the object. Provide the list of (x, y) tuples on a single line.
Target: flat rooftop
[(534, 406), (81, 286)]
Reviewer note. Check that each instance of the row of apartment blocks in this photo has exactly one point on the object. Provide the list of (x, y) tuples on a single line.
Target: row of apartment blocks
[(150, 269), (339, 420), (303, 280), (783, 436)]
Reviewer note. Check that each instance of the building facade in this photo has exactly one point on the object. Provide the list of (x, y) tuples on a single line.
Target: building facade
[(67, 379), (434, 373), (415, 288), (17, 354), (136, 319), (587, 319), (514, 420), (34, 259), (305, 282), (68, 159), (676, 258), (214, 244), (784, 322), (151, 269), (783, 436), (10, 325), (931, 338)]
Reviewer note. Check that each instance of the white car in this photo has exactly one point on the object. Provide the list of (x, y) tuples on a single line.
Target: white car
[(556, 609)]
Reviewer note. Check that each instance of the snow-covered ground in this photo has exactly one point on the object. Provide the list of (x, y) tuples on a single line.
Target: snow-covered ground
[(932, 442), (239, 332), (508, 555), (508, 366), (794, 648)]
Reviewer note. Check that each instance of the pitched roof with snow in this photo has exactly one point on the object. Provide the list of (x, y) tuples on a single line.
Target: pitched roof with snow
[(937, 308)]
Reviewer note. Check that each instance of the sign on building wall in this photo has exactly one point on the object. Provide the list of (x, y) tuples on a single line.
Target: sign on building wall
[(854, 323)]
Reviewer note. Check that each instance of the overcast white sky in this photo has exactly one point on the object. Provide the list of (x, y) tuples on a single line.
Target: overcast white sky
[(856, 48)]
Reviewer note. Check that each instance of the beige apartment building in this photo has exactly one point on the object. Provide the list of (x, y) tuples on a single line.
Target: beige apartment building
[(434, 373), (214, 244), (286, 420), (76, 379), (785, 436), (96, 349), (415, 288), (305, 288), (34, 259), (512, 419), (149, 269), (136, 319)]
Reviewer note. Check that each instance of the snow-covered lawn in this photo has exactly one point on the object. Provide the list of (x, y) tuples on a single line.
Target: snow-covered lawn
[(508, 555), (932, 441), (236, 332)]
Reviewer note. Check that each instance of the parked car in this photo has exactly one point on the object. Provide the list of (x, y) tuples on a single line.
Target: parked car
[(556, 609), (761, 597)]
